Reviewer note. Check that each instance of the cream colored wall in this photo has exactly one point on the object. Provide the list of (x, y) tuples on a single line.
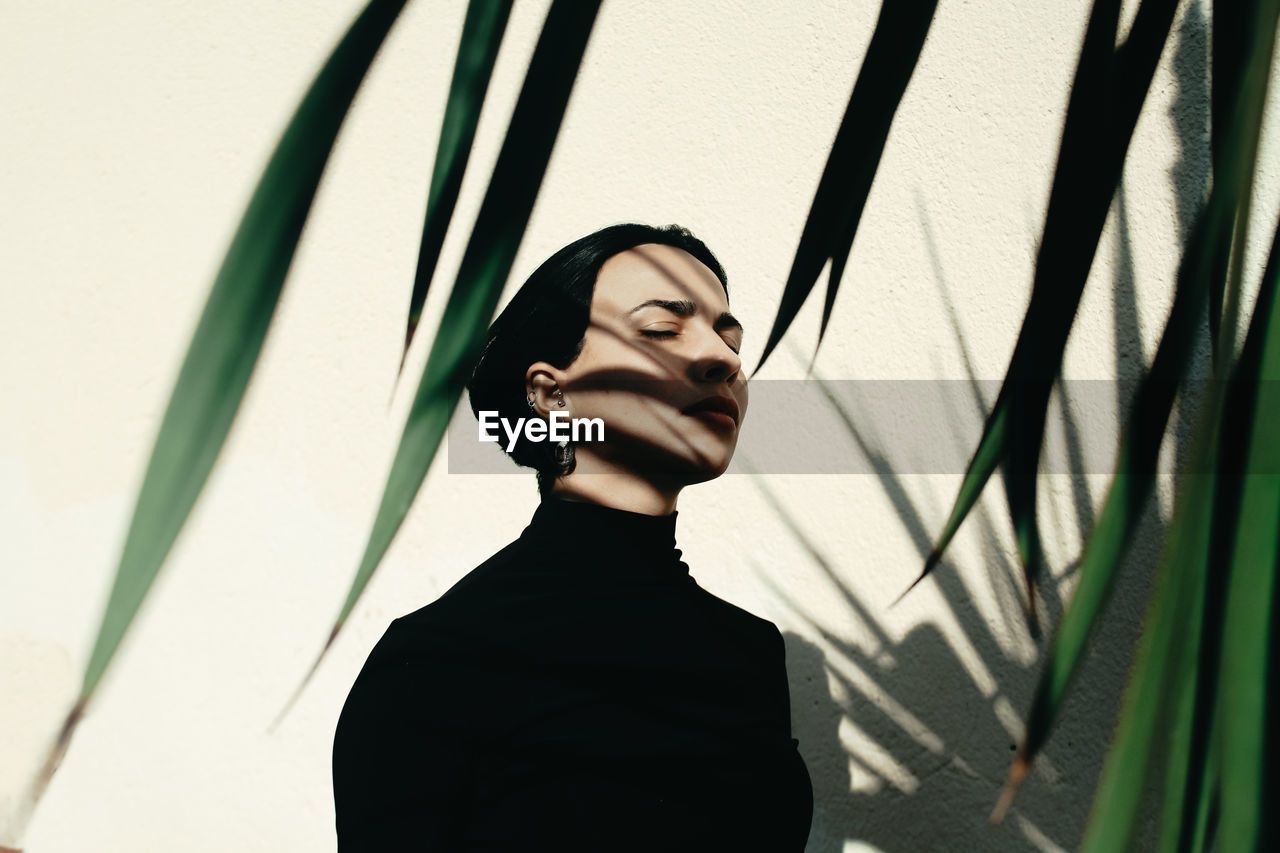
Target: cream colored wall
[(134, 132)]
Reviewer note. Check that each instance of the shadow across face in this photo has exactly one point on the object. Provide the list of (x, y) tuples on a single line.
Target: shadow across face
[(659, 368)]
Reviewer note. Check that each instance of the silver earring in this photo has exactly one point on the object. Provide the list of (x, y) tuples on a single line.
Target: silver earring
[(564, 453)]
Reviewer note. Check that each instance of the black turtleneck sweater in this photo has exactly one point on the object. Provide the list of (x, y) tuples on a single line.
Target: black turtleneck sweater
[(578, 691)]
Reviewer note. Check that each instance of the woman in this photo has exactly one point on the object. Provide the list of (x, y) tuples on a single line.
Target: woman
[(579, 690)]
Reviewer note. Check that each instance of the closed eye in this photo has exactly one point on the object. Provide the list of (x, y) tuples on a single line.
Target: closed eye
[(665, 333)]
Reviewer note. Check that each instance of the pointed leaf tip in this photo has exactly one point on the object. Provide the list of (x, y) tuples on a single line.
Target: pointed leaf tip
[(482, 33), (306, 679), (22, 815), (1017, 773), (930, 563)]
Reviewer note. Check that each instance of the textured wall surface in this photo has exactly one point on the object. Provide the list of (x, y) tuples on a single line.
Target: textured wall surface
[(134, 133)]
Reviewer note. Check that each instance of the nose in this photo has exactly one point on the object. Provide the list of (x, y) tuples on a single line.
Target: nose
[(715, 361)]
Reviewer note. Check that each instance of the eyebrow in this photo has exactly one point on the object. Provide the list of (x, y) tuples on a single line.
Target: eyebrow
[(686, 308)]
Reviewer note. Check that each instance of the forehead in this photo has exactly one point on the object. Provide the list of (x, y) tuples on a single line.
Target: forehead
[(655, 271)]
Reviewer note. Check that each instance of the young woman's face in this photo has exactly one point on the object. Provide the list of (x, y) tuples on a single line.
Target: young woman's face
[(659, 365)]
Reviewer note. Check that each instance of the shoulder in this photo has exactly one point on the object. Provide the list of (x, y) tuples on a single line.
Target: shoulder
[(465, 618), (421, 670), (762, 634), (459, 606)]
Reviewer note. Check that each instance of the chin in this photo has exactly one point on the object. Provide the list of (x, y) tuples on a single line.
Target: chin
[(707, 465), (696, 458), (705, 475), (713, 459)]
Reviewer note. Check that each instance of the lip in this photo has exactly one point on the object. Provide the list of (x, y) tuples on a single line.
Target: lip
[(716, 404)]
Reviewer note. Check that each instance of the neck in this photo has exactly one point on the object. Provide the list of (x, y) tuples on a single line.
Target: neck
[(596, 481)]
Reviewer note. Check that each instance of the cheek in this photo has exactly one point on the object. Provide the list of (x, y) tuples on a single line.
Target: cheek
[(635, 414), (623, 406)]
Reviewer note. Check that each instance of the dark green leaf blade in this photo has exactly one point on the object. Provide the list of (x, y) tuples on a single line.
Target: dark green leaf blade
[(486, 263), (228, 339), (1106, 98), (1194, 761), (226, 343), (1132, 484), (1250, 595), (478, 50), (1246, 499), (1163, 672), (1200, 272), (984, 462), (1243, 43), (1204, 817), (1230, 34), (846, 180), (892, 57), (1165, 652)]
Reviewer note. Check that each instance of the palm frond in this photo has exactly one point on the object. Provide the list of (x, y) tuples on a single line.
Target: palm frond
[(486, 263), (227, 341), (842, 193), (477, 51)]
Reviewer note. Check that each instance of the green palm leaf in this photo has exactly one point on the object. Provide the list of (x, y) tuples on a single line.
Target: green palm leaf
[(1135, 469), (1240, 29), (1166, 648), (1130, 488), (225, 347), (1254, 561), (846, 180), (486, 263), (1106, 98), (481, 36), (1234, 486)]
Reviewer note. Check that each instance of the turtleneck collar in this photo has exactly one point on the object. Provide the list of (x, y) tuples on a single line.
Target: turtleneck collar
[(607, 540)]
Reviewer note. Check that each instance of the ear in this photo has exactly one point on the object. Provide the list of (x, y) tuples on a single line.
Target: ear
[(542, 383)]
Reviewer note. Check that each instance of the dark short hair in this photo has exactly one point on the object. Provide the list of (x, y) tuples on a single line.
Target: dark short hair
[(547, 319)]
